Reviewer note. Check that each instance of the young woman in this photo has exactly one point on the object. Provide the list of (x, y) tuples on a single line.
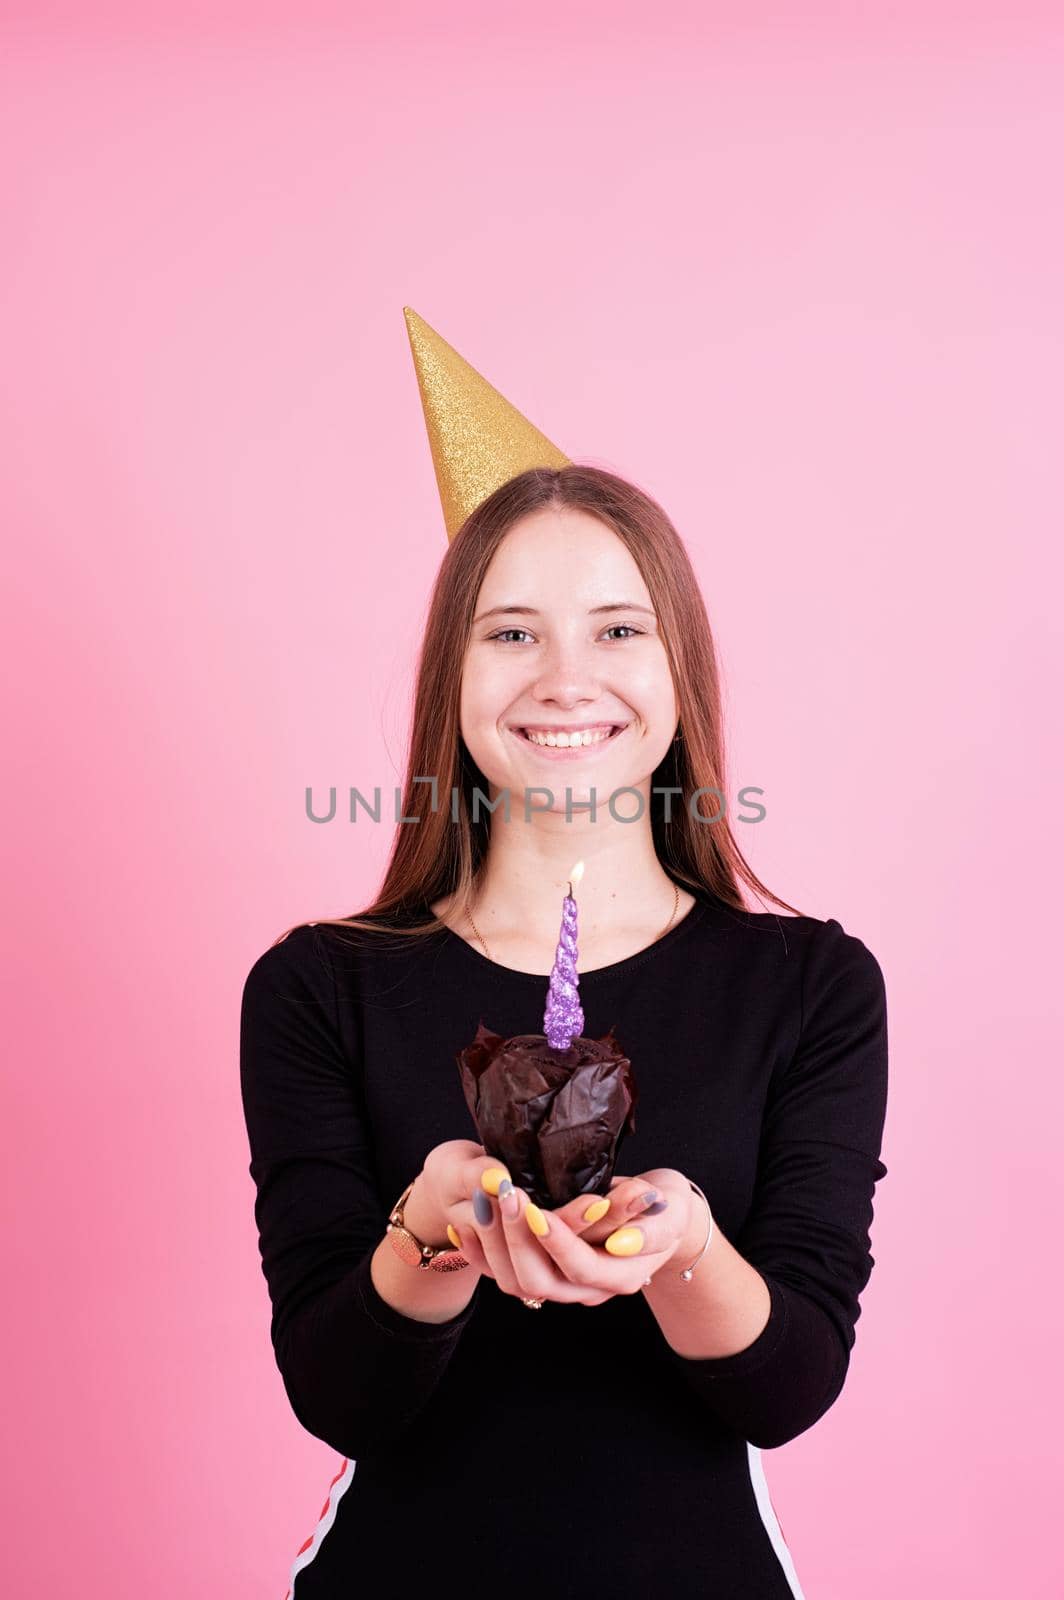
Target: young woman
[(571, 1409)]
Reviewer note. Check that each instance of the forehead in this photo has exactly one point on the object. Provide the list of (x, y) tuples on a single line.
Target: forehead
[(559, 548)]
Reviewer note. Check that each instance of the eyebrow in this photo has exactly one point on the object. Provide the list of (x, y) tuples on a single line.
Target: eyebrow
[(530, 611)]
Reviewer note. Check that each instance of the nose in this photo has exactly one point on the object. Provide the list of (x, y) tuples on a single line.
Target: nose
[(567, 675)]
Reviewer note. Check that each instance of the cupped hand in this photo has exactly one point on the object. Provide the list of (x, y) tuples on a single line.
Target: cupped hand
[(581, 1252)]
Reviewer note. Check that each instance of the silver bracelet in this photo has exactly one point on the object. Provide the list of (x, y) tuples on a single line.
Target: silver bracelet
[(688, 1272)]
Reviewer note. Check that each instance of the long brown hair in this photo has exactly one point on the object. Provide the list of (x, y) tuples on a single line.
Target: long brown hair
[(437, 856)]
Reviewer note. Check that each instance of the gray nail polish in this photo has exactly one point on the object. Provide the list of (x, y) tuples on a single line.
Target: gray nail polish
[(652, 1211), (482, 1207)]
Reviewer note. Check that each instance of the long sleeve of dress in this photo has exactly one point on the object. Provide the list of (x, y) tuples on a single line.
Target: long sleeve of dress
[(355, 1370), (808, 1228)]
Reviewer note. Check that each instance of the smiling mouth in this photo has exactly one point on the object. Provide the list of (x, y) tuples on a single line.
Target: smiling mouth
[(590, 739)]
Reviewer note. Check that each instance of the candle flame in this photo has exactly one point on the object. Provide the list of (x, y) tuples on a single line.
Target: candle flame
[(576, 874)]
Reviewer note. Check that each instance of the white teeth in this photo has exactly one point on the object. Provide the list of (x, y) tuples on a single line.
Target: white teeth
[(568, 741)]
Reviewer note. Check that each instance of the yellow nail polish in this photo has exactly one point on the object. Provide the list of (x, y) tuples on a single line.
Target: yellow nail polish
[(536, 1220), (491, 1178), (597, 1210), (625, 1242), (453, 1235)]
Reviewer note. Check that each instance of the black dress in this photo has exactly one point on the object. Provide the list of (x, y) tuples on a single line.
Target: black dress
[(569, 1450)]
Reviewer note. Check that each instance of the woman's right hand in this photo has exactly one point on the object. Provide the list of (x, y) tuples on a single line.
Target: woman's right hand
[(439, 1206)]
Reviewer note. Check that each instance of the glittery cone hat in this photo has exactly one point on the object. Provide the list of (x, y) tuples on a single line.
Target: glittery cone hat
[(477, 438)]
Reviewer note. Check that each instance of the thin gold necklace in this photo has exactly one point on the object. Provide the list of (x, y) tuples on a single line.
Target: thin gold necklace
[(661, 935)]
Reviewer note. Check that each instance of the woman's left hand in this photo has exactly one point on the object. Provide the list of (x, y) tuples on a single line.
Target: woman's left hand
[(648, 1219), (579, 1260)]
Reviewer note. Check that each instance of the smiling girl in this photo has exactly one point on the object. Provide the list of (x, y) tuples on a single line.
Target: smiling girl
[(571, 1401)]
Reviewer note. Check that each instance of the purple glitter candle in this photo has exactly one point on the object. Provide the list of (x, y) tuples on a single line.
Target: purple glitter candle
[(563, 1019)]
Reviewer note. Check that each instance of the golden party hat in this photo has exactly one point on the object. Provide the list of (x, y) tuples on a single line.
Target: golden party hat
[(477, 438)]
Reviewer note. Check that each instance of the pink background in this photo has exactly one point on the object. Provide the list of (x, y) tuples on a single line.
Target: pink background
[(800, 278)]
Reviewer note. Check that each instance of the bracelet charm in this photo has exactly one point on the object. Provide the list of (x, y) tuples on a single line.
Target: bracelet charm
[(409, 1248)]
